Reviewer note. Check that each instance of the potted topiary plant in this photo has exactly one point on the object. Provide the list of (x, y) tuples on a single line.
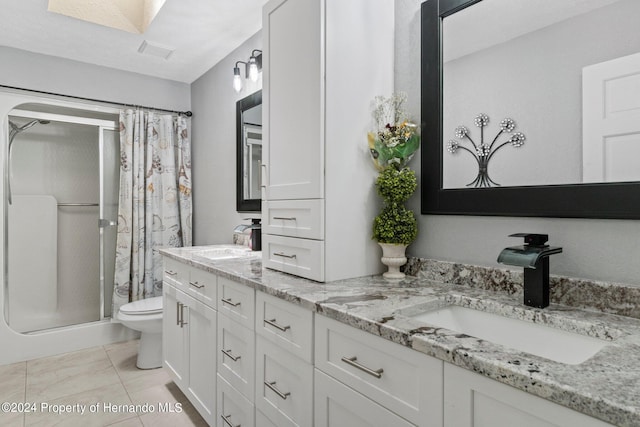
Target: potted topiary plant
[(392, 146)]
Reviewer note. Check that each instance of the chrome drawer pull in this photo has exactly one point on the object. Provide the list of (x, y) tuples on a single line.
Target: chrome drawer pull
[(283, 255), (293, 218), (196, 285), (230, 356), (272, 387), (230, 302), (273, 323), (182, 322), (352, 361), (225, 418), (171, 272)]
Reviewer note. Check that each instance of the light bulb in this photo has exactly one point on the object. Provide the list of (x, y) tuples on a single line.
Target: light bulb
[(253, 69), (237, 80)]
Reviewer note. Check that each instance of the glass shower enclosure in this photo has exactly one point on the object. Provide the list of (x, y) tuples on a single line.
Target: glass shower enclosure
[(61, 186)]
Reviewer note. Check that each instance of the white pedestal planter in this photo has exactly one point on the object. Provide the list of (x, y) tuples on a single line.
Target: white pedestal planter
[(393, 256)]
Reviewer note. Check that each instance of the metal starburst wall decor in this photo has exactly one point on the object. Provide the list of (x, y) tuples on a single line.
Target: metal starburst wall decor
[(484, 152)]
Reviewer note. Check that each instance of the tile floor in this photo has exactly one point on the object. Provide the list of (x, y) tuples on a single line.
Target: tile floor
[(98, 376)]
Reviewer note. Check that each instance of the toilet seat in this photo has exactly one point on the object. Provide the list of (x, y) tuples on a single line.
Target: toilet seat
[(143, 306)]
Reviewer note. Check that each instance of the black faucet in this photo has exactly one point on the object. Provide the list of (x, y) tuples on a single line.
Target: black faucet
[(534, 257)]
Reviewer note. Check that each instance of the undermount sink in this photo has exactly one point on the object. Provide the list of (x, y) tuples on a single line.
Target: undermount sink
[(534, 338), (226, 252)]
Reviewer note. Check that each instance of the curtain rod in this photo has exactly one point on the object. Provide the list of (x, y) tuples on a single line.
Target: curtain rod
[(184, 113)]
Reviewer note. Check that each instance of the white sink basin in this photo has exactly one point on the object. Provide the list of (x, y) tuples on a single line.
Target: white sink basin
[(541, 340), (226, 252)]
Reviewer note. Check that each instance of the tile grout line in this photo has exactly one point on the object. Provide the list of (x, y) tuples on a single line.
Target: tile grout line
[(123, 386)]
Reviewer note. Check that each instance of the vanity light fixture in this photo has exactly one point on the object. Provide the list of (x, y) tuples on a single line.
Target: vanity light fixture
[(252, 69), (255, 64), (237, 80)]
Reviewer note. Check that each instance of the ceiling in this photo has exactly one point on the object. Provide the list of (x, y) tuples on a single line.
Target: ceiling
[(201, 32)]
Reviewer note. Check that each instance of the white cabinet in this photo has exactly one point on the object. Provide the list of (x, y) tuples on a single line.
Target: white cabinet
[(284, 362), (236, 355), (236, 301), (403, 381), (288, 326), (189, 334), (200, 321), (284, 386), (267, 362), (316, 114), (337, 405), (234, 409), (473, 400), (174, 337)]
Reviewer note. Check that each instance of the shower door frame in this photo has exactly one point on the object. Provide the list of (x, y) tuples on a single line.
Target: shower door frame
[(102, 125)]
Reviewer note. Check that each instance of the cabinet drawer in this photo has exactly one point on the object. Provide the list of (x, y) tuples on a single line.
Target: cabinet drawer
[(338, 405), (404, 381), (284, 385), (202, 286), (471, 399), (288, 326), (294, 218), (175, 272), (236, 301), (236, 355), (263, 421), (233, 408), (302, 257)]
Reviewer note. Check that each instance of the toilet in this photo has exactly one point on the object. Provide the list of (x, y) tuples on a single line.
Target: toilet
[(145, 315)]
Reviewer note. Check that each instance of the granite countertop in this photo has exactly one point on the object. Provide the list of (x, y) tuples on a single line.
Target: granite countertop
[(606, 386)]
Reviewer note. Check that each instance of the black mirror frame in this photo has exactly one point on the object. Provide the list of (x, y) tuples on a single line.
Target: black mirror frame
[(600, 200), (242, 204)]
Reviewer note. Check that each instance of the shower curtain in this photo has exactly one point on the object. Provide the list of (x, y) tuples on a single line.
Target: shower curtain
[(154, 208)]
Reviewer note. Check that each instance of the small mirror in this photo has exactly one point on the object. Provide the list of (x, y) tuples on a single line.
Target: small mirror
[(249, 152)]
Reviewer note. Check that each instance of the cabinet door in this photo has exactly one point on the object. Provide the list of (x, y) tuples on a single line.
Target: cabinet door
[(293, 118), (476, 401), (337, 405), (201, 322), (174, 337)]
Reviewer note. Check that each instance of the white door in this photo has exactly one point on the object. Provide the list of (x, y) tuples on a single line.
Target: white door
[(611, 120)]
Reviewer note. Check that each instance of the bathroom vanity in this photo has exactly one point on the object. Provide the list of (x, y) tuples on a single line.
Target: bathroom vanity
[(268, 349)]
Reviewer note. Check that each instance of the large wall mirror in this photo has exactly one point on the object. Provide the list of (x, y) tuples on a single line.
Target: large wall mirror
[(531, 108), (249, 152)]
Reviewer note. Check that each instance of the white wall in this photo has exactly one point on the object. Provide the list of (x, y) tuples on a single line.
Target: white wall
[(213, 149), (594, 249), (51, 74)]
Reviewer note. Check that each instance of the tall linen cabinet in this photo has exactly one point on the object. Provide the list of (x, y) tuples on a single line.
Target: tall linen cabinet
[(324, 61)]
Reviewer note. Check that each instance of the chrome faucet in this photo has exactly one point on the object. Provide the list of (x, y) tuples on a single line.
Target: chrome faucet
[(534, 257)]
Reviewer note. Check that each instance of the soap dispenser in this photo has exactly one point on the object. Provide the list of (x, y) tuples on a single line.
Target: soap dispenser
[(255, 242)]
